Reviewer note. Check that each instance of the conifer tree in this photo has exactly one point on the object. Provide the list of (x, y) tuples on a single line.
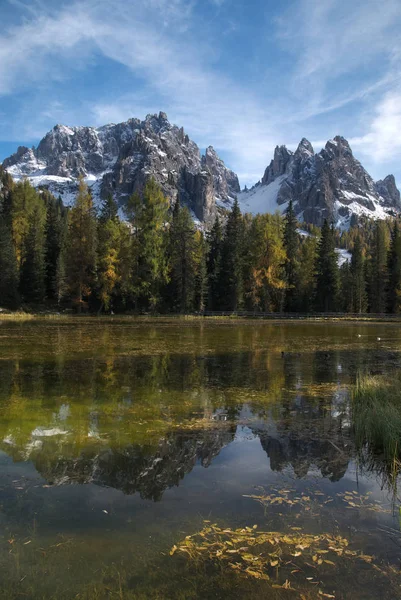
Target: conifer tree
[(81, 247), (378, 269), (306, 277), (394, 270), (327, 276), (182, 248), (231, 278), (213, 265), (55, 236), (265, 281), (33, 267), (148, 216), (109, 243), (9, 297), (357, 279), (291, 245), (201, 283)]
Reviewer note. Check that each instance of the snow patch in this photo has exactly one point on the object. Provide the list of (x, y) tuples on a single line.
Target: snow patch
[(263, 198)]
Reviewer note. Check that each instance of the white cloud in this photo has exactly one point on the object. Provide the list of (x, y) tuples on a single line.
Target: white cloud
[(382, 142), (333, 44)]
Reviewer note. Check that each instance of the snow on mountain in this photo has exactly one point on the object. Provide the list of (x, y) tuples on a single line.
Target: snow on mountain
[(263, 198), (329, 185), (118, 159)]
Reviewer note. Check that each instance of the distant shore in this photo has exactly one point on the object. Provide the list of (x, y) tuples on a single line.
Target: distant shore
[(239, 316)]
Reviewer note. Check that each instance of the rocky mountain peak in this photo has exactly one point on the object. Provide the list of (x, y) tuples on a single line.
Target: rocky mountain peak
[(331, 184), (305, 148), (278, 165), (388, 190), (119, 158)]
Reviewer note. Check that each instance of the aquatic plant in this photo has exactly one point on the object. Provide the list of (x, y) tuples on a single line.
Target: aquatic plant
[(376, 415)]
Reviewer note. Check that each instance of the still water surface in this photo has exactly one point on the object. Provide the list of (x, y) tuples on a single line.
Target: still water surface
[(119, 438)]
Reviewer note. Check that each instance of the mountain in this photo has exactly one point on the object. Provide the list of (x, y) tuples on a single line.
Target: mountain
[(331, 184), (118, 159)]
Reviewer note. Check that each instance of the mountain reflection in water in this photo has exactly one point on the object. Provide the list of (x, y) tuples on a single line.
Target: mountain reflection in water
[(158, 427)]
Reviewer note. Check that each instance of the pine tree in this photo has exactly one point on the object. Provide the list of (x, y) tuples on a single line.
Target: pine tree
[(306, 277), (148, 216), (358, 281), (201, 280), (231, 278), (81, 247), (55, 235), (9, 297), (327, 276), (182, 248), (291, 245), (213, 265), (394, 270), (33, 266), (378, 269)]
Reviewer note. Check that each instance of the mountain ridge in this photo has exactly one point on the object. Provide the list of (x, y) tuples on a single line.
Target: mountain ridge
[(118, 158)]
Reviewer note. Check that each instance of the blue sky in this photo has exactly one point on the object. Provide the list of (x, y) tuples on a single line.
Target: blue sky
[(241, 75)]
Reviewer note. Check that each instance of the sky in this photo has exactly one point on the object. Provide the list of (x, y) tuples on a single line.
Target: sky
[(241, 75)]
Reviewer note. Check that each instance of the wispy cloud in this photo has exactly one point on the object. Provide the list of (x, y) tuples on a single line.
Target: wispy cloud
[(342, 54)]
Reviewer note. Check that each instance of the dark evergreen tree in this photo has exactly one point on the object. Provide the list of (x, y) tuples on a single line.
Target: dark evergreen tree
[(231, 278), (148, 215), (9, 297), (201, 281), (394, 270), (357, 279), (33, 266), (213, 264), (378, 269), (327, 276), (182, 249), (81, 247), (291, 246), (55, 235)]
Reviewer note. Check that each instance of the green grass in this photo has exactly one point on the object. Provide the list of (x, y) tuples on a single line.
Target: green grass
[(376, 415)]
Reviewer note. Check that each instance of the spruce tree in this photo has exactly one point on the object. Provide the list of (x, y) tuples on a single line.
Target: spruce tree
[(9, 297), (291, 245), (394, 270), (201, 280), (357, 280), (213, 265), (231, 279), (33, 266), (81, 247), (55, 235), (378, 269), (148, 216), (182, 248), (327, 276)]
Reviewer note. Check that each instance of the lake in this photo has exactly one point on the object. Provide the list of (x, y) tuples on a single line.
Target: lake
[(184, 459)]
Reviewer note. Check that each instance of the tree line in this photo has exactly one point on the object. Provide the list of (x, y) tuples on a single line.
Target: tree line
[(157, 260)]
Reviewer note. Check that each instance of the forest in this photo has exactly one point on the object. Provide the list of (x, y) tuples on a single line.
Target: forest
[(156, 260)]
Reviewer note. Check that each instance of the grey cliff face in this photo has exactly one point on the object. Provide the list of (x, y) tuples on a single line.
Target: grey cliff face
[(278, 165), (225, 181), (388, 190), (118, 159)]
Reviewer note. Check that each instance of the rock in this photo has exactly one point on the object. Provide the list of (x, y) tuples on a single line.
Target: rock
[(118, 159), (329, 185)]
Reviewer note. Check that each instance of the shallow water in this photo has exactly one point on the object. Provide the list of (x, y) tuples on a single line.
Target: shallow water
[(119, 438)]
